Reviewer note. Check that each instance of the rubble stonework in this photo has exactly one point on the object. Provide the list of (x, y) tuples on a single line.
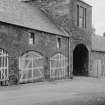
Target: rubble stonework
[(14, 40), (54, 24), (64, 14)]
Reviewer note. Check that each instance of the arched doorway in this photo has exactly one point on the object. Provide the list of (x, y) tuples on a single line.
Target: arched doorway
[(80, 60)]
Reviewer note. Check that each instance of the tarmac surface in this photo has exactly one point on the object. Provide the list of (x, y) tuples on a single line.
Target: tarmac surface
[(79, 91)]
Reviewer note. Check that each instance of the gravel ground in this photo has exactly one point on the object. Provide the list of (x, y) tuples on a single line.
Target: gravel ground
[(79, 91)]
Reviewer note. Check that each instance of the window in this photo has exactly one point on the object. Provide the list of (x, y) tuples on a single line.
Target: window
[(81, 16), (31, 38), (58, 43)]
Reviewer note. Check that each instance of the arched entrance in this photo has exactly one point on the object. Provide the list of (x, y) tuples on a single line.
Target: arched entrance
[(80, 60)]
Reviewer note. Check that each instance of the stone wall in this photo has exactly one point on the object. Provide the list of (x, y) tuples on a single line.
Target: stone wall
[(14, 40), (64, 14), (98, 64)]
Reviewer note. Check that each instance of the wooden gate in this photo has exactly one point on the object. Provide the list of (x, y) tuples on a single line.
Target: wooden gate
[(31, 67), (58, 66), (4, 66)]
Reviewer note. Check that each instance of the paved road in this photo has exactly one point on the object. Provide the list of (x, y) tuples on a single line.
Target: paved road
[(80, 91)]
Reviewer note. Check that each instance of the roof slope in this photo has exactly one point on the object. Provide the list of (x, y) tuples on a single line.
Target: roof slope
[(23, 14), (98, 43)]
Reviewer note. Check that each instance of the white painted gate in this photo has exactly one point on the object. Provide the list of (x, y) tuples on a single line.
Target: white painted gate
[(4, 65), (58, 66), (31, 67)]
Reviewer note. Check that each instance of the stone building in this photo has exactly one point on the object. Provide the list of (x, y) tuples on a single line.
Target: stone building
[(75, 18), (44, 39), (98, 56)]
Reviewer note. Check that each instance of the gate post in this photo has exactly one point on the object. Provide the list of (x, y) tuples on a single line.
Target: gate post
[(13, 70), (46, 68)]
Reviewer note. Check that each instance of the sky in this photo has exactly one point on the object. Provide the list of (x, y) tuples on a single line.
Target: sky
[(98, 15)]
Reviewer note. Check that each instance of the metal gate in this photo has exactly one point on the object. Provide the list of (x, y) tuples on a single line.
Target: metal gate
[(4, 65), (58, 66), (31, 67)]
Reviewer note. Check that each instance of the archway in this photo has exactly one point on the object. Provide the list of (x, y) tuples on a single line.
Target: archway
[(80, 60)]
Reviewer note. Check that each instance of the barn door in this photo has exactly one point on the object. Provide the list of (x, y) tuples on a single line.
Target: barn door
[(3, 65), (31, 67), (58, 66)]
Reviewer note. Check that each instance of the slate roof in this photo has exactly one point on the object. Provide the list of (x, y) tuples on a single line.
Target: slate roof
[(23, 14), (98, 43)]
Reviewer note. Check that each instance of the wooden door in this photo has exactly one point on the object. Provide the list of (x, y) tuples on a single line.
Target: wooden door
[(97, 68)]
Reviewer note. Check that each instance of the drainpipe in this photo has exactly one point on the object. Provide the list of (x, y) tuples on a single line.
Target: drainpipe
[(70, 76), (70, 69)]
